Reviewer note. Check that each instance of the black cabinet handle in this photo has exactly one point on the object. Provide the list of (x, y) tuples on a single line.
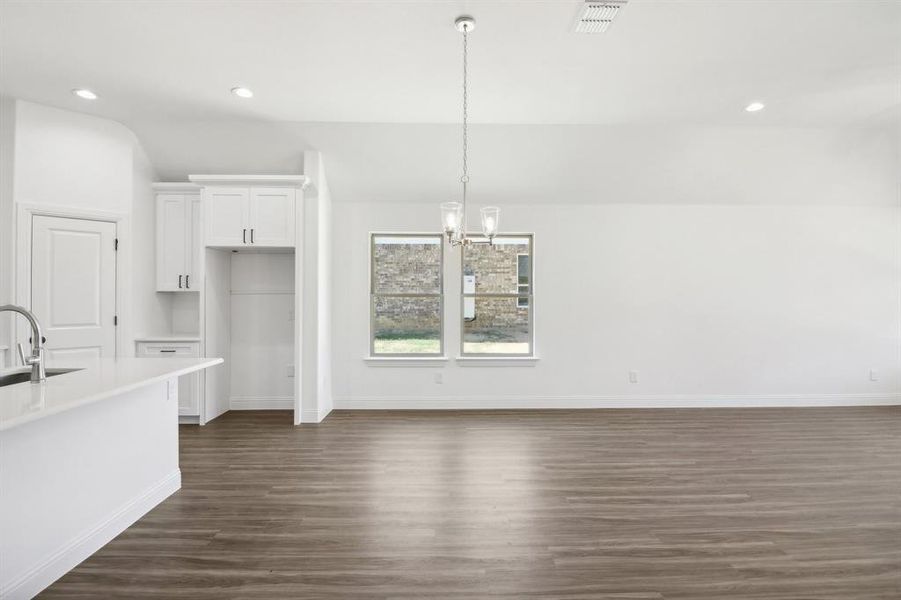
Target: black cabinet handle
[(179, 282), (167, 350), (244, 237), (187, 282), (251, 236)]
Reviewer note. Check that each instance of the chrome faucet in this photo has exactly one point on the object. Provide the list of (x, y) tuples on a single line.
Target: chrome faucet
[(36, 360)]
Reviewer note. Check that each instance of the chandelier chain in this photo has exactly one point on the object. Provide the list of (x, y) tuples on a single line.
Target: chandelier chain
[(465, 177)]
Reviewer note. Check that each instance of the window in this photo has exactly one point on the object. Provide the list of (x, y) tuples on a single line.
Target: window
[(497, 303), (406, 295)]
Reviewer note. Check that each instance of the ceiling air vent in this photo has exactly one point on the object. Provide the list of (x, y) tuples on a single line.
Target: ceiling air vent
[(595, 17)]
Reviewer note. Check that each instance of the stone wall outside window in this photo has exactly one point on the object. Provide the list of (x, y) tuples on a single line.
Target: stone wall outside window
[(402, 268), (407, 268)]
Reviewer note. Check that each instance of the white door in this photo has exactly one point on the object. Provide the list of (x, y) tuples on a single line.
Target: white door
[(171, 249), (73, 286), (227, 214), (272, 216)]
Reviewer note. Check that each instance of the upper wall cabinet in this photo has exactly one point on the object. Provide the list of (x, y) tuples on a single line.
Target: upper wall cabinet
[(178, 222), (250, 210), (272, 216), (228, 220)]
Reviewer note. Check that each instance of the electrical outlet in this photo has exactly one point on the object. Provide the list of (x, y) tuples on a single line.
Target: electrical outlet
[(290, 314), (633, 376), (289, 371), (874, 375), (172, 389), (439, 377)]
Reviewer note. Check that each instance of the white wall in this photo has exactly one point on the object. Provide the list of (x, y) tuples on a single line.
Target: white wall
[(741, 302), (316, 302), (77, 161), (324, 292), (646, 163), (262, 331), (7, 231), (185, 313), (216, 331), (152, 312), (71, 159)]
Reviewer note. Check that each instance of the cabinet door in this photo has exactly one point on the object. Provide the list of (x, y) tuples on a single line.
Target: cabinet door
[(272, 216), (171, 229), (227, 216), (193, 241), (189, 395), (188, 385)]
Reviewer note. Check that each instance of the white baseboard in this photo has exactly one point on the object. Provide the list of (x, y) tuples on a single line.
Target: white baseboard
[(68, 557), (314, 416), (261, 403), (612, 401)]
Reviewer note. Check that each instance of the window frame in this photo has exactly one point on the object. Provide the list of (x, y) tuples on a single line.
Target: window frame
[(530, 296), (373, 295)]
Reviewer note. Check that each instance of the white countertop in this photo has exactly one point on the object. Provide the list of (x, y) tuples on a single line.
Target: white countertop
[(170, 338), (100, 379)]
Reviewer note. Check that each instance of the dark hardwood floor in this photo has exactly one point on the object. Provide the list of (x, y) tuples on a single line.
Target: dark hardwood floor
[(608, 504)]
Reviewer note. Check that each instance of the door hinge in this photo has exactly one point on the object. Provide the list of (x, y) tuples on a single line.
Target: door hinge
[(116, 245), (115, 320)]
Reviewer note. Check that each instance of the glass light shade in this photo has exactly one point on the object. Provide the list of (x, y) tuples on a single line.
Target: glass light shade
[(490, 217), (452, 216)]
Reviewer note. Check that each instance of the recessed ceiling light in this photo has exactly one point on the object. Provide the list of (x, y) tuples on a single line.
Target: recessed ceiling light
[(242, 92), (755, 106), (85, 93)]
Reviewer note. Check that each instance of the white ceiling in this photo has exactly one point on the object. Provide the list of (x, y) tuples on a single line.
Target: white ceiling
[(695, 61), (375, 85)]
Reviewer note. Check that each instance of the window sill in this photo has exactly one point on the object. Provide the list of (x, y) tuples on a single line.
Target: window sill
[(497, 361), (405, 361)]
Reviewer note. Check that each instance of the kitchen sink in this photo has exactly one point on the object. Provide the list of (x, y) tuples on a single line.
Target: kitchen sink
[(25, 376)]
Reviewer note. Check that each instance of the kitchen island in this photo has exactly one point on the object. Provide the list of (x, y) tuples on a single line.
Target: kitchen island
[(83, 455)]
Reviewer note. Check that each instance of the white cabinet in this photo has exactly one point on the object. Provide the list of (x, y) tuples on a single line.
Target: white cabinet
[(250, 216), (228, 216), (189, 392), (272, 216), (178, 218)]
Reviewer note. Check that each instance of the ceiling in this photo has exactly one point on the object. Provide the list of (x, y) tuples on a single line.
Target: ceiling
[(375, 85), (695, 61)]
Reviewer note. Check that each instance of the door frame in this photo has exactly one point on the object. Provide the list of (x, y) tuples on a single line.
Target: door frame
[(25, 213)]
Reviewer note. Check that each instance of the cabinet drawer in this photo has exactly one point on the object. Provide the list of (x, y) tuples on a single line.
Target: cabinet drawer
[(161, 350)]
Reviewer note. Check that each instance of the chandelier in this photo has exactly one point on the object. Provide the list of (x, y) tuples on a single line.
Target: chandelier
[(453, 214)]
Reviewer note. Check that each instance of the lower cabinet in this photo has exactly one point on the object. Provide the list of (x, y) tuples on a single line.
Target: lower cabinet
[(189, 392)]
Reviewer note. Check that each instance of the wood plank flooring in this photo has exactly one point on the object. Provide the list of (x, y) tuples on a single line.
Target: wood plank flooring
[(607, 504)]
